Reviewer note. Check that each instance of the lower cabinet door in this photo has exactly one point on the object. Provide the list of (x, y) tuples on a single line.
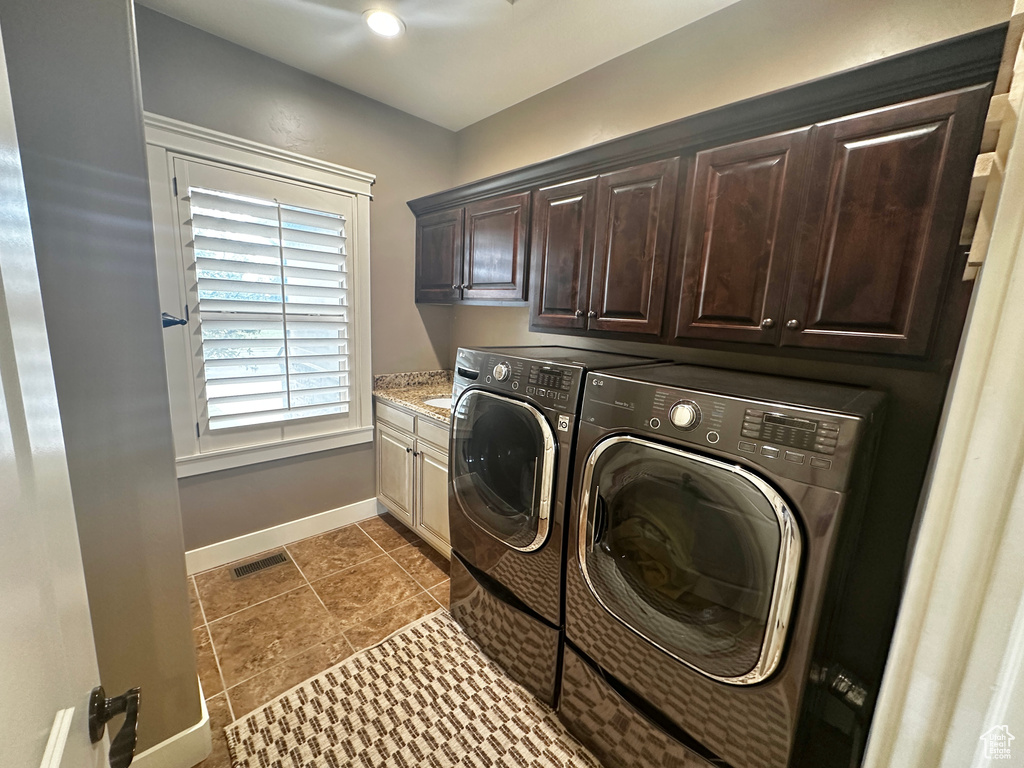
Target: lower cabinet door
[(432, 494), (395, 472)]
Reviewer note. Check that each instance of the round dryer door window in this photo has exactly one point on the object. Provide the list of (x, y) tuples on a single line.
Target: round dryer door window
[(502, 465), (696, 555)]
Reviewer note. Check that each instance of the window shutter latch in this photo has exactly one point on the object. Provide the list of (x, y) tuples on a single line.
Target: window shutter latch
[(169, 320)]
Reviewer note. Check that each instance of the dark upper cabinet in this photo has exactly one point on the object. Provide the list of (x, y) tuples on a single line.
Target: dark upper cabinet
[(561, 249), (635, 210), (886, 193), (742, 206), (600, 250), (439, 256), (475, 253), (494, 255)]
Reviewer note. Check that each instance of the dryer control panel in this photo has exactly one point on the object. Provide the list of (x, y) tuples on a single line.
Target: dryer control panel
[(547, 384), (805, 444)]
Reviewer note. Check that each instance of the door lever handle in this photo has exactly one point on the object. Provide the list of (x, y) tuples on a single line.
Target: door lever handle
[(102, 709), (169, 320)]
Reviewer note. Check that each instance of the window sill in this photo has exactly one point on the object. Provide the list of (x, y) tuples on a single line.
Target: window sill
[(201, 464)]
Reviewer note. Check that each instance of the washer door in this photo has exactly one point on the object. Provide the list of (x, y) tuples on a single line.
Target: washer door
[(697, 556), (502, 467)]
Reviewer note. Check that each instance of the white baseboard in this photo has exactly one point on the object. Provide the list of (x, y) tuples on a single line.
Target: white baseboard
[(224, 552), (184, 749)]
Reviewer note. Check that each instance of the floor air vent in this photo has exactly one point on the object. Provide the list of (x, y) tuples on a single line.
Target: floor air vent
[(253, 566)]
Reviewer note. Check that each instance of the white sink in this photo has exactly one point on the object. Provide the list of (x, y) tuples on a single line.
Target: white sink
[(439, 402)]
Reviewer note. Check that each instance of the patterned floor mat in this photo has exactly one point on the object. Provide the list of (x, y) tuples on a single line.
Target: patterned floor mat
[(426, 696)]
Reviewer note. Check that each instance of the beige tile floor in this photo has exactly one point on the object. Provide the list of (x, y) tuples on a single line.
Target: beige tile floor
[(342, 591)]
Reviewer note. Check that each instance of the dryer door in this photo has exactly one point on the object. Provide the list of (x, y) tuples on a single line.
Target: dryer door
[(502, 467), (696, 555)]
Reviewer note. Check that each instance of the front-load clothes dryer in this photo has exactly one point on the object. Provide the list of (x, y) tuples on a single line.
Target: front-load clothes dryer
[(709, 519), (510, 469)]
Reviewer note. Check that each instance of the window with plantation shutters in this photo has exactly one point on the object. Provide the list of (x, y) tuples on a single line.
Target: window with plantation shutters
[(269, 265), (272, 308)]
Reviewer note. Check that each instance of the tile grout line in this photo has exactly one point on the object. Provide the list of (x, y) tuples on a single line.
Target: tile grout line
[(308, 582), (213, 650), (423, 589), (343, 634), (414, 581), (295, 656), (260, 602), (223, 682)]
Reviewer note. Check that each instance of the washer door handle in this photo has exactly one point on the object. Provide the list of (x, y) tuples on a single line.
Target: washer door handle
[(600, 516)]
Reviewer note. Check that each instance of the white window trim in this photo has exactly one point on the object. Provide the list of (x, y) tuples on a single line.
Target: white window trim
[(166, 137)]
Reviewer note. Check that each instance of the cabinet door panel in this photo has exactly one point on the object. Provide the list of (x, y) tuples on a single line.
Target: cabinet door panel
[(635, 214), (439, 256), (885, 200), (395, 472), (432, 492), (744, 205), (561, 248), (495, 248)]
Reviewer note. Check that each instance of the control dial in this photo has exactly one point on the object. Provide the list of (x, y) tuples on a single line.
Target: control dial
[(502, 371), (684, 415)]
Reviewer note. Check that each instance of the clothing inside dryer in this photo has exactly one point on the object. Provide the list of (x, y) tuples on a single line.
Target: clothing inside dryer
[(684, 552)]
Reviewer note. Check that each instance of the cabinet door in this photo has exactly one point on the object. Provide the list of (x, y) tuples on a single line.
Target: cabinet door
[(886, 195), (633, 232), (395, 472), (432, 493), (439, 257), (561, 248), (744, 203), (494, 265)]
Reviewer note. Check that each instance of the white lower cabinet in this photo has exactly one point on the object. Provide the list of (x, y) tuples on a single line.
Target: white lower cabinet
[(395, 471), (412, 472), (432, 494)]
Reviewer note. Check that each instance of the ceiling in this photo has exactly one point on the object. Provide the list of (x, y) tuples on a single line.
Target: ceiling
[(459, 61)]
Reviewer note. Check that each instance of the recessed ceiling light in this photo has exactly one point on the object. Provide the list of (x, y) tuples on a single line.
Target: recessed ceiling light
[(384, 23)]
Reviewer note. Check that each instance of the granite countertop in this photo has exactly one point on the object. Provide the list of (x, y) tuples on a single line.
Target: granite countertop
[(409, 390)]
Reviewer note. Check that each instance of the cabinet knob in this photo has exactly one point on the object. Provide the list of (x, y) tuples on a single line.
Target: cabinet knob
[(408, 450), (455, 287), (767, 323), (465, 285), (591, 313), (793, 324), (578, 313)]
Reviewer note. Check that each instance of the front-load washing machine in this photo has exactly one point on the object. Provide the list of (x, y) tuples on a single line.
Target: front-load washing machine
[(711, 514), (510, 469)]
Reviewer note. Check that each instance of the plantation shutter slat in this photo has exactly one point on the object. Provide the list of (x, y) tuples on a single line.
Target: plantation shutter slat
[(219, 246), (273, 302)]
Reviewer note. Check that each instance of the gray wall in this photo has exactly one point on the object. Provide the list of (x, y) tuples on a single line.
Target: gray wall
[(77, 108), (749, 48), (190, 75), (746, 49)]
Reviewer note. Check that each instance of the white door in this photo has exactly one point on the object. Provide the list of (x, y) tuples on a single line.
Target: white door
[(395, 472), (47, 657), (432, 493)]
